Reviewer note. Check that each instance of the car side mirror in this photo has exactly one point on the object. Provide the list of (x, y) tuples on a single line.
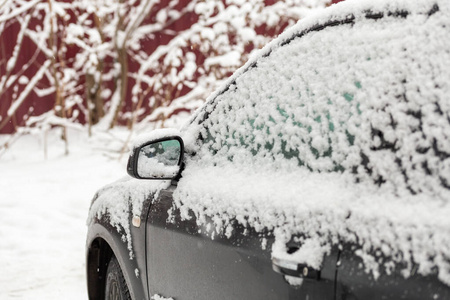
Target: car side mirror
[(158, 159)]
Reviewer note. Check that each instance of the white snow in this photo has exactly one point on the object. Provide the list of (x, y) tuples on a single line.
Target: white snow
[(44, 206), (19, 11), (159, 297), (151, 167), (230, 59), (154, 135), (115, 200), (23, 80)]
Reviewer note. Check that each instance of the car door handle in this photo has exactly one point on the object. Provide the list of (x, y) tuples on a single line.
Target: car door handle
[(290, 268)]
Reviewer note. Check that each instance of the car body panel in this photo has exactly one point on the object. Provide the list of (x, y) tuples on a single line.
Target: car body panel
[(354, 282), (185, 262)]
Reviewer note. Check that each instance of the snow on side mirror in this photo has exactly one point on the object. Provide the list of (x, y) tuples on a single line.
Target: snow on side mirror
[(159, 159)]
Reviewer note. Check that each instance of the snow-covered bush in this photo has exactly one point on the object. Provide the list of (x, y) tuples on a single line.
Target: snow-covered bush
[(107, 62)]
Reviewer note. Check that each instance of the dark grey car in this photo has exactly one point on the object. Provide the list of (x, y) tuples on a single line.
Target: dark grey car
[(321, 170)]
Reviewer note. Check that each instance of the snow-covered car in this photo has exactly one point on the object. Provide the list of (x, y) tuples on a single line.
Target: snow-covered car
[(320, 170)]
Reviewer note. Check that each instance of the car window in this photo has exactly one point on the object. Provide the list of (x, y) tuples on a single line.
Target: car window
[(256, 136), (290, 118)]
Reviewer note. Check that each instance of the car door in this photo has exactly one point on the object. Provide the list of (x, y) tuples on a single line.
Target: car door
[(320, 114), (355, 283), (184, 262)]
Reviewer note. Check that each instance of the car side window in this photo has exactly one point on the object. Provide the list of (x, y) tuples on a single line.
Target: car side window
[(269, 117), (332, 101)]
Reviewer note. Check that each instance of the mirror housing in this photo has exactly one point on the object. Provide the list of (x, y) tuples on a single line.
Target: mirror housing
[(157, 159)]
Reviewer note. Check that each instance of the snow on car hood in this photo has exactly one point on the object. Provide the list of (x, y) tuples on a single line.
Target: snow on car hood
[(122, 199)]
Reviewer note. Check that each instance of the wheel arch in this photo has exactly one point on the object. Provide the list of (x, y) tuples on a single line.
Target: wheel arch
[(103, 242)]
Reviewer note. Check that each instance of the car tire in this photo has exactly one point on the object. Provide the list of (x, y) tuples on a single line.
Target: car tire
[(116, 287)]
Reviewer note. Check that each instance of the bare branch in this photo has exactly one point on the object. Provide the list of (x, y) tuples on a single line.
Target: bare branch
[(18, 11)]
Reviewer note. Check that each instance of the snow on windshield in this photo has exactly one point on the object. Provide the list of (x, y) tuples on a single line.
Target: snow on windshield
[(342, 134)]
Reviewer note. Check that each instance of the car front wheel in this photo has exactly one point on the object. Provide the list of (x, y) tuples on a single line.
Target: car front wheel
[(116, 287)]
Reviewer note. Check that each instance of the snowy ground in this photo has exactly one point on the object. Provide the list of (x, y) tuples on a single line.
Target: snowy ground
[(43, 210)]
